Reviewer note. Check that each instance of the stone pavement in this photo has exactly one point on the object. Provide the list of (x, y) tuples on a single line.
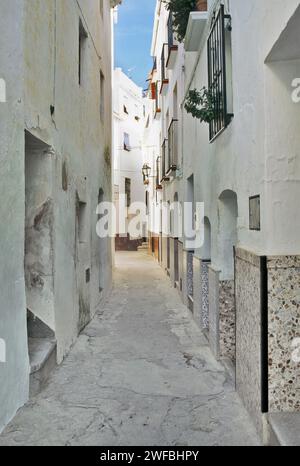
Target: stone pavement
[(140, 374)]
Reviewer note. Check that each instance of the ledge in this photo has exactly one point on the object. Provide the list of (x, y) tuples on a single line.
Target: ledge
[(173, 52), (195, 29), (164, 87), (285, 429)]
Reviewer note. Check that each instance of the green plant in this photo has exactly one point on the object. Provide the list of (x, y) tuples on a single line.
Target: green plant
[(201, 104), (180, 9)]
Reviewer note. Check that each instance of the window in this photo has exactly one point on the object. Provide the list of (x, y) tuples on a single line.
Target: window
[(128, 191), (82, 219), (82, 42), (219, 71), (102, 96), (254, 213), (126, 142)]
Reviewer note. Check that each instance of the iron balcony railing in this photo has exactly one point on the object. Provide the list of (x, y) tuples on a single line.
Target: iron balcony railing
[(217, 73), (158, 173), (172, 163), (164, 155), (157, 97)]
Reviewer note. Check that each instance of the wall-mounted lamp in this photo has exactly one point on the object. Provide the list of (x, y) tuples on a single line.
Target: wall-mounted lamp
[(146, 170)]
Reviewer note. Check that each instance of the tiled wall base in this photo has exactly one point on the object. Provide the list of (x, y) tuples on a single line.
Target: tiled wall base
[(205, 295), (180, 266), (164, 250), (197, 291), (214, 317), (282, 308), (227, 320), (221, 315), (284, 328), (172, 261), (190, 280), (248, 333), (200, 279)]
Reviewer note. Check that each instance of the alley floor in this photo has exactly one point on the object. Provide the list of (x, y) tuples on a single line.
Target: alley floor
[(140, 374)]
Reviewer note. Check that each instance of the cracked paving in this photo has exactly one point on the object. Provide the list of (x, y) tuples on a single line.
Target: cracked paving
[(141, 373)]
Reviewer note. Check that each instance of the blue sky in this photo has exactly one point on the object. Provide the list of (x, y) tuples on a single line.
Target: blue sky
[(133, 35)]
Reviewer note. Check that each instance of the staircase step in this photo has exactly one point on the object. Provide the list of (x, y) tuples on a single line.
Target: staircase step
[(284, 429), (42, 358)]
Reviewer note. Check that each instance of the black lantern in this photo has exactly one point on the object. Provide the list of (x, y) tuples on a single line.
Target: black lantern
[(146, 173)]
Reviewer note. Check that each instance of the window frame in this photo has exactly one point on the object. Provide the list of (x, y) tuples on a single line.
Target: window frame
[(217, 73), (126, 138)]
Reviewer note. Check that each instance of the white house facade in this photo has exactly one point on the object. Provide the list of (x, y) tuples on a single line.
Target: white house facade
[(129, 122), (243, 284)]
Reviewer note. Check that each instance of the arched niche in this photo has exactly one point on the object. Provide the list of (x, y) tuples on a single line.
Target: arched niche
[(227, 232)]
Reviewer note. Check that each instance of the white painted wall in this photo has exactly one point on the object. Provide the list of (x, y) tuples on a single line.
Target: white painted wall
[(39, 62), (14, 373), (259, 152)]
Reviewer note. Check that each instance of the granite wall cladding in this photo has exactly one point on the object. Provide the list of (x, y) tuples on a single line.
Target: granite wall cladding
[(248, 332), (227, 319), (214, 328), (205, 295), (284, 327), (197, 291), (180, 265), (190, 280), (190, 285), (172, 261), (201, 298)]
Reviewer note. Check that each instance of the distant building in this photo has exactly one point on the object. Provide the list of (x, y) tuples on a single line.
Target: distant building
[(129, 122)]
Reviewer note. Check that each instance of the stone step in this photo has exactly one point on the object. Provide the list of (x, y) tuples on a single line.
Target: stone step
[(143, 247), (284, 429), (42, 358)]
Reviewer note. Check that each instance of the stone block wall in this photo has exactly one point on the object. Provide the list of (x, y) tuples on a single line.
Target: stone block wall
[(180, 266), (221, 305), (227, 319), (205, 294), (248, 332), (200, 290), (190, 280), (214, 316), (283, 329)]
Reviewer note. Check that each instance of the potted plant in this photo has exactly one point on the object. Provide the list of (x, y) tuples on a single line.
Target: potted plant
[(180, 10)]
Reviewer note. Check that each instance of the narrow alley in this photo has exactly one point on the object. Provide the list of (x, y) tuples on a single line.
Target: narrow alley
[(141, 373)]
